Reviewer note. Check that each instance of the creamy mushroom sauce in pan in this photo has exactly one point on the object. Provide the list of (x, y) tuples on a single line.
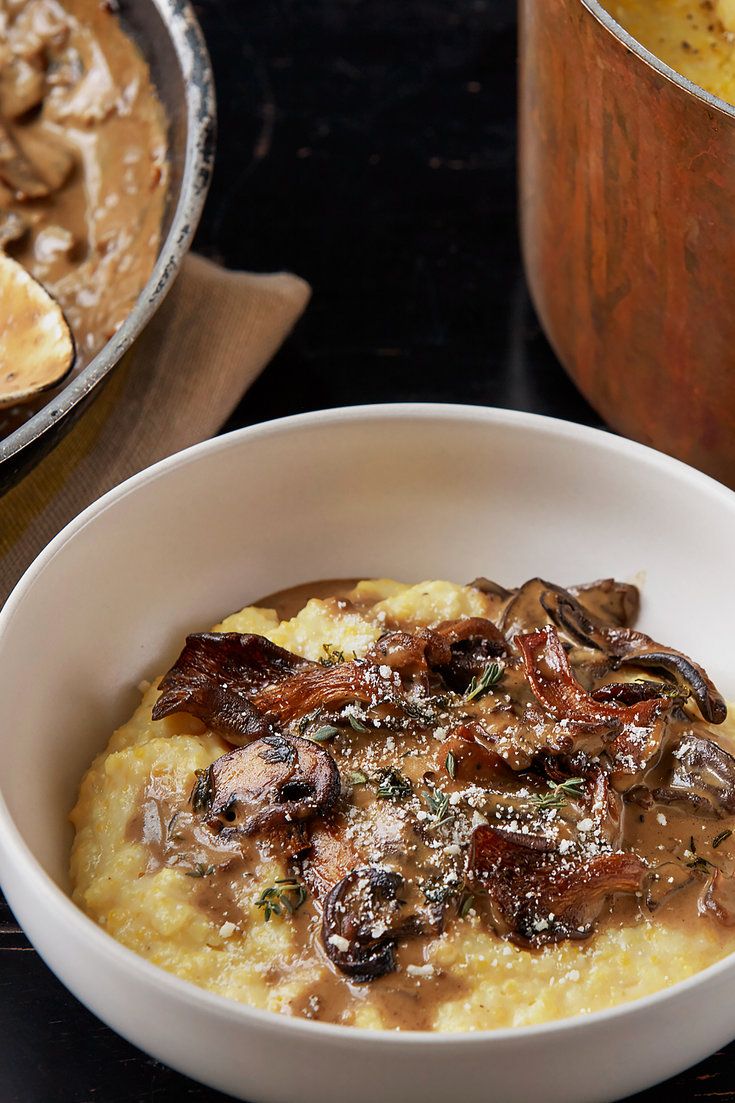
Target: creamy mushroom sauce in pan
[(420, 807), (83, 172)]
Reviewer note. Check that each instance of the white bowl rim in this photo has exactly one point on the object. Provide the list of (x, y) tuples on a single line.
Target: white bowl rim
[(221, 1006)]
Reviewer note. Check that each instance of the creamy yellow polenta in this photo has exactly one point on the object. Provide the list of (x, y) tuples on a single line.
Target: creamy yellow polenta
[(157, 910), (695, 37)]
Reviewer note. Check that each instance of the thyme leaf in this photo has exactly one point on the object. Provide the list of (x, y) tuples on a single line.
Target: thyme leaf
[(324, 734), (558, 795), (450, 763), (720, 839), (438, 803), (200, 870), (393, 785), (285, 896), (466, 903), (332, 655), (357, 777), (202, 793), (490, 677)]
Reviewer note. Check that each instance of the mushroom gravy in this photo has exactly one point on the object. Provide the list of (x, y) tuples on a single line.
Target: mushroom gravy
[(694, 37), (420, 807), (83, 171)]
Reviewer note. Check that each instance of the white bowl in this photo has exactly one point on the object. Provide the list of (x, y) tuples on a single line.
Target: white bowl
[(409, 491)]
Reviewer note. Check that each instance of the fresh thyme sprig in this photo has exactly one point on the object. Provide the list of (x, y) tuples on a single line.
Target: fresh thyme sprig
[(558, 795), (332, 655), (200, 870), (465, 905), (438, 803), (490, 677), (324, 734), (285, 896), (393, 785)]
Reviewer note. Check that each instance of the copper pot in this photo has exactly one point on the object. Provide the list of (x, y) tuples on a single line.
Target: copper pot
[(628, 230)]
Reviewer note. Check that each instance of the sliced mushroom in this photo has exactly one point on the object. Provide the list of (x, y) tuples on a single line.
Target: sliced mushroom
[(362, 923), (272, 783), (36, 344), (632, 693), (538, 896), (323, 687), (718, 898), (570, 617), (410, 653), (473, 756), (12, 227), (636, 733), (473, 642), (635, 649), (609, 601), (492, 589), (52, 159), (22, 85), (216, 677), (331, 855), (702, 774), (18, 171)]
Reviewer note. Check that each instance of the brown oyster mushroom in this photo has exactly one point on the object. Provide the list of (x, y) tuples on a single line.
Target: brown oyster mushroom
[(702, 776), (362, 923), (330, 856), (217, 676), (36, 344), (492, 589), (718, 898), (12, 227), (633, 731), (632, 693), (410, 653), (609, 601), (18, 172), (636, 649), (22, 86), (270, 784), (473, 643), (536, 895), (473, 756)]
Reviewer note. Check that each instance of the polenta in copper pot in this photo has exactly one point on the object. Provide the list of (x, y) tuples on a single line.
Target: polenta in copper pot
[(695, 37)]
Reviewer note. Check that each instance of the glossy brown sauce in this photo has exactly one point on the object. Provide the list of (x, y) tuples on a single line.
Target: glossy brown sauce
[(94, 131), (681, 846)]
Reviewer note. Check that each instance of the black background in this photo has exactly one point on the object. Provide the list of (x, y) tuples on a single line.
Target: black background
[(369, 146)]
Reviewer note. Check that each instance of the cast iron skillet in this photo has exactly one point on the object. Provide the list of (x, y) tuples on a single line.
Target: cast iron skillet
[(172, 42)]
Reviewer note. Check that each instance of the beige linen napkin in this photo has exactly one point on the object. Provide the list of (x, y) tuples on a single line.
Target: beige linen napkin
[(210, 339)]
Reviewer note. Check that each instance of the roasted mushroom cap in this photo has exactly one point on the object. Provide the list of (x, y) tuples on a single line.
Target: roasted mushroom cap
[(362, 923), (702, 776), (537, 895), (271, 783), (718, 898), (17, 172), (36, 344), (632, 732), (635, 649), (216, 678), (473, 642), (609, 601)]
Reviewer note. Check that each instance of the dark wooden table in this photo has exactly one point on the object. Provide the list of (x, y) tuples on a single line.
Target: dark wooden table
[(368, 145)]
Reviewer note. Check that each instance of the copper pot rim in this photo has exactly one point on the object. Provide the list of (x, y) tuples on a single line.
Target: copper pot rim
[(598, 12)]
